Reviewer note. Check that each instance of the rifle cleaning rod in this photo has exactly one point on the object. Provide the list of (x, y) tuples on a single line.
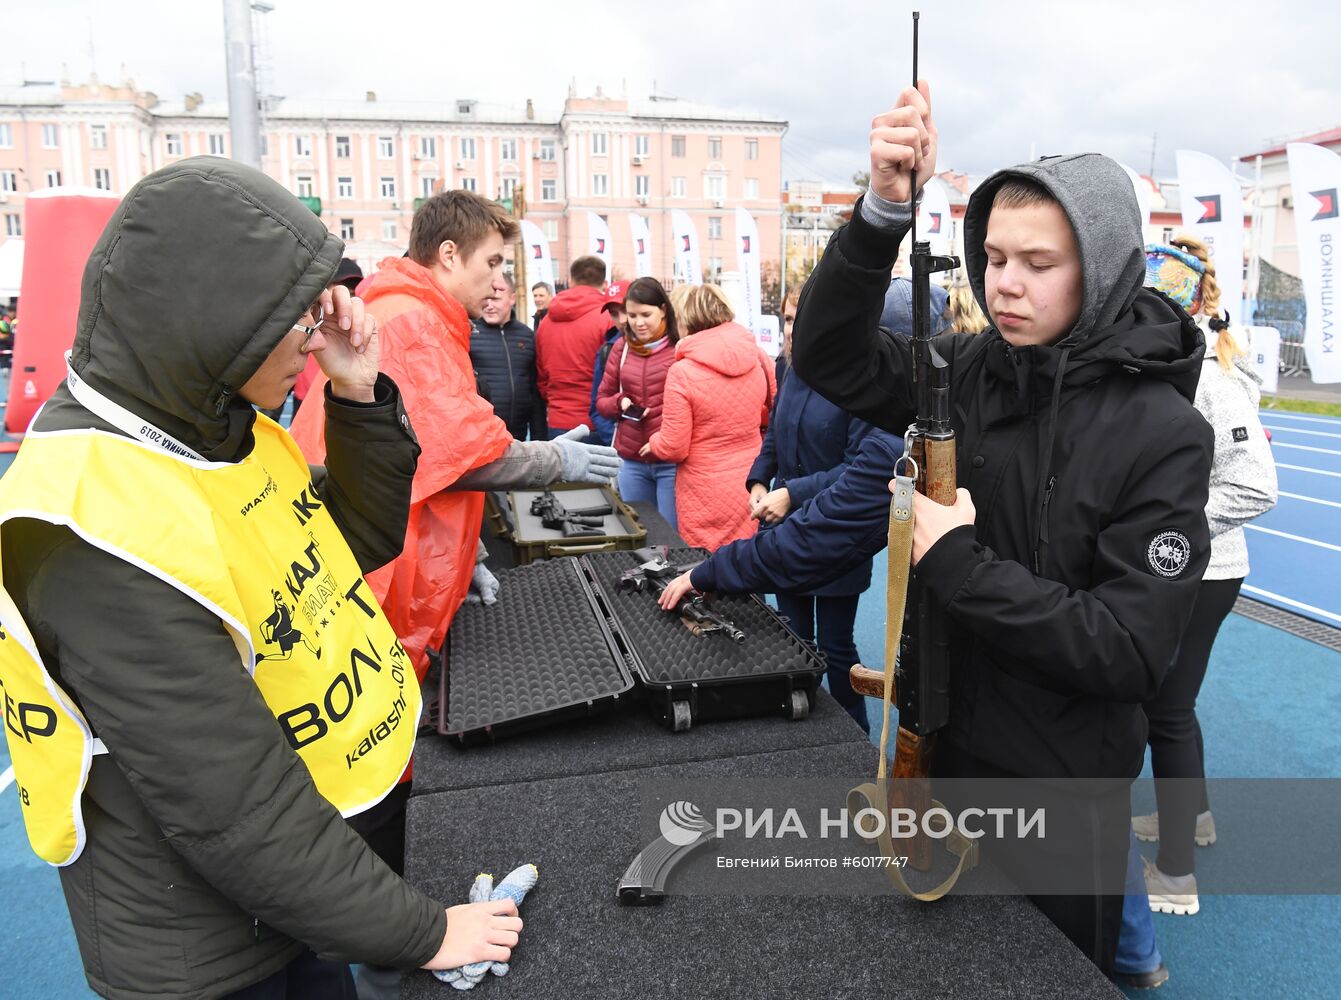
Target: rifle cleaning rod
[(912, 173)]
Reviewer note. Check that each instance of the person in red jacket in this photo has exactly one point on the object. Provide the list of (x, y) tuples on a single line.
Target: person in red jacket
[(566, 344), (633, 389), (718, 394)]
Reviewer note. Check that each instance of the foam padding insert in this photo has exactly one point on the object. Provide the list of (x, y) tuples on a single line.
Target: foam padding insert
[(581, 832), (540, 649), (668, 653)]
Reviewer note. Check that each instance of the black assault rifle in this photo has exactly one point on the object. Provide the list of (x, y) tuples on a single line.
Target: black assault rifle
[(583, 522), (655, 571)]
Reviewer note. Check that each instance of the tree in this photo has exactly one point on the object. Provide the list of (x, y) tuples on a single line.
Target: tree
[(862, 178)]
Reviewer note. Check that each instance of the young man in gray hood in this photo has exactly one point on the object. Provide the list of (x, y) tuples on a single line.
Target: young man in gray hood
[(184, 606), (1069, 565)]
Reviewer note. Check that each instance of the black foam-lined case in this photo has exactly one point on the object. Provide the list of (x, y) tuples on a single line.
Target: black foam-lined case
[(690, 678), (541, 654)]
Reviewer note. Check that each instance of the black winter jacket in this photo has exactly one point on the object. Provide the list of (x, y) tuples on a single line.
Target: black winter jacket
[(1088, 467), (504, 357)]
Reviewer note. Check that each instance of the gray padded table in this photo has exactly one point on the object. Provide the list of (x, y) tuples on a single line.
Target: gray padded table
[(582, 829)]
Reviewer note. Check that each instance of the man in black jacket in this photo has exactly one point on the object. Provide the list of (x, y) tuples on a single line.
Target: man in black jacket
[(1069, 564), (502, 352)]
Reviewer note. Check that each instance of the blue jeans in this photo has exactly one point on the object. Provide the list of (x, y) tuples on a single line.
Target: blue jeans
[(1137, 950), (650, 481), (833, 618)]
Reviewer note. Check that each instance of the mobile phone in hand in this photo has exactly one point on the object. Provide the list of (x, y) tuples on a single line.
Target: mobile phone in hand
[(634, 412)]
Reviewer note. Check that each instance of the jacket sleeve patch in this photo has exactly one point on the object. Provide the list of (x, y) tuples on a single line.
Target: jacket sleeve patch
[(1169, 553), (1240, 433)]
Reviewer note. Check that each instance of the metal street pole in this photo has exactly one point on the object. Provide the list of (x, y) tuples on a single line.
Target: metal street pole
[(244, 123)]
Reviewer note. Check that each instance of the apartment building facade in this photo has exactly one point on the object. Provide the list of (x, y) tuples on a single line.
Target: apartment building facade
[(363, 166)]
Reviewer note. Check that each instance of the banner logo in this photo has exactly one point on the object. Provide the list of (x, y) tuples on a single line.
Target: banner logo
[(1210, 205), (744, 244), (600, 244), (641, 248), (1327, 206), (935, 218), (539, 254), (686, 242)]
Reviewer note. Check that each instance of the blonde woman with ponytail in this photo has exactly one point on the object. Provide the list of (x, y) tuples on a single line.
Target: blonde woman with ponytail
[(1243, 486)]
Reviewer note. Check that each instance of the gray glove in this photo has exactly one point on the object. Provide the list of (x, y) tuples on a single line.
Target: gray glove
[(586, 463), (483, 586)]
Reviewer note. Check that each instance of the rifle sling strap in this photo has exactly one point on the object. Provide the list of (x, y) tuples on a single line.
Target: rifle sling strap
[(899, 559)]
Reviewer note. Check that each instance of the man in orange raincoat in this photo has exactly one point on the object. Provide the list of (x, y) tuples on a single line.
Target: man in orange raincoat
[(423, 304)]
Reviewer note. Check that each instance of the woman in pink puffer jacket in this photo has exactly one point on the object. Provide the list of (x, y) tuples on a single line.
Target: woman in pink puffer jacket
[(718, 396)]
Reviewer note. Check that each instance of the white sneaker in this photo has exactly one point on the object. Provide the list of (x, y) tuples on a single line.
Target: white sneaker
[(1175, 894), (1146, 828)]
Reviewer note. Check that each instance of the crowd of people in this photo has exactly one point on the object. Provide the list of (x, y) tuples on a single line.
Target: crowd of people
[(1097, 439)]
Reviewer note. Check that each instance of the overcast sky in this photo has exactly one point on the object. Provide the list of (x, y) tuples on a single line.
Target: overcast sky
[(1009, 77)]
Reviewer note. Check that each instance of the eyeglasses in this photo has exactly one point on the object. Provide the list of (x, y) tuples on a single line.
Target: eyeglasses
[(318, 314)]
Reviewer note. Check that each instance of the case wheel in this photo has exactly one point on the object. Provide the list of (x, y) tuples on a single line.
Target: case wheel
[(682, 716), (800, 705)]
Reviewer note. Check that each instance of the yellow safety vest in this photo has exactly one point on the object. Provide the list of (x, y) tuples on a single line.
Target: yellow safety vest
[(250, 541)]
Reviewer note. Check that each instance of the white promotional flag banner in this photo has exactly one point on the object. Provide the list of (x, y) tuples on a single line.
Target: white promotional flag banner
[(1142, 190), (933, 216), (747, 255), (1213, 213), (642, 246), (539, 264), (687, 266), (600, 243), (1315, 177)]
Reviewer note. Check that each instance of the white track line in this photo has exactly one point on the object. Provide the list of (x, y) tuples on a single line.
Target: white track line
[(1281, 415), (1300, 496), (1293, 603), (1306, 447), (1294, 538), (1305, 468), (1297, 430), (7, 778)]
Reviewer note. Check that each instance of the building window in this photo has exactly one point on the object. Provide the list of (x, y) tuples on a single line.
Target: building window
[(641, 185), (467, 149), (102, 179), (53, 178), (97, 136), (715, 268), (344, 187), (468, 184), (551, 229), (426, 186), (714, 187), (641, 144), (714, 227), (507, 149), (50, 137), (714, 149), (464, 107), (548, 190), (677, 145), (304, 187), (508, 188), (346, 229), (265, 145), (547, 150), (386, 147), (751, 188), (390, 229), (13, 225), (677, 187), (9, 181), (342, 147), (216, 145), (302, 146), (387, 188), (751, 149), (6, 136), (428, 147), (600, 185), (172, 144), (600, 142)]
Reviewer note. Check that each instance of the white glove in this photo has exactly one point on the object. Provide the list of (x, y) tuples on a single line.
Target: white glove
[(586, 463)]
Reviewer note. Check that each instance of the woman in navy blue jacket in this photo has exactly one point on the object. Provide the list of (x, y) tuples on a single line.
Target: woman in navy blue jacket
[(808, 445)]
